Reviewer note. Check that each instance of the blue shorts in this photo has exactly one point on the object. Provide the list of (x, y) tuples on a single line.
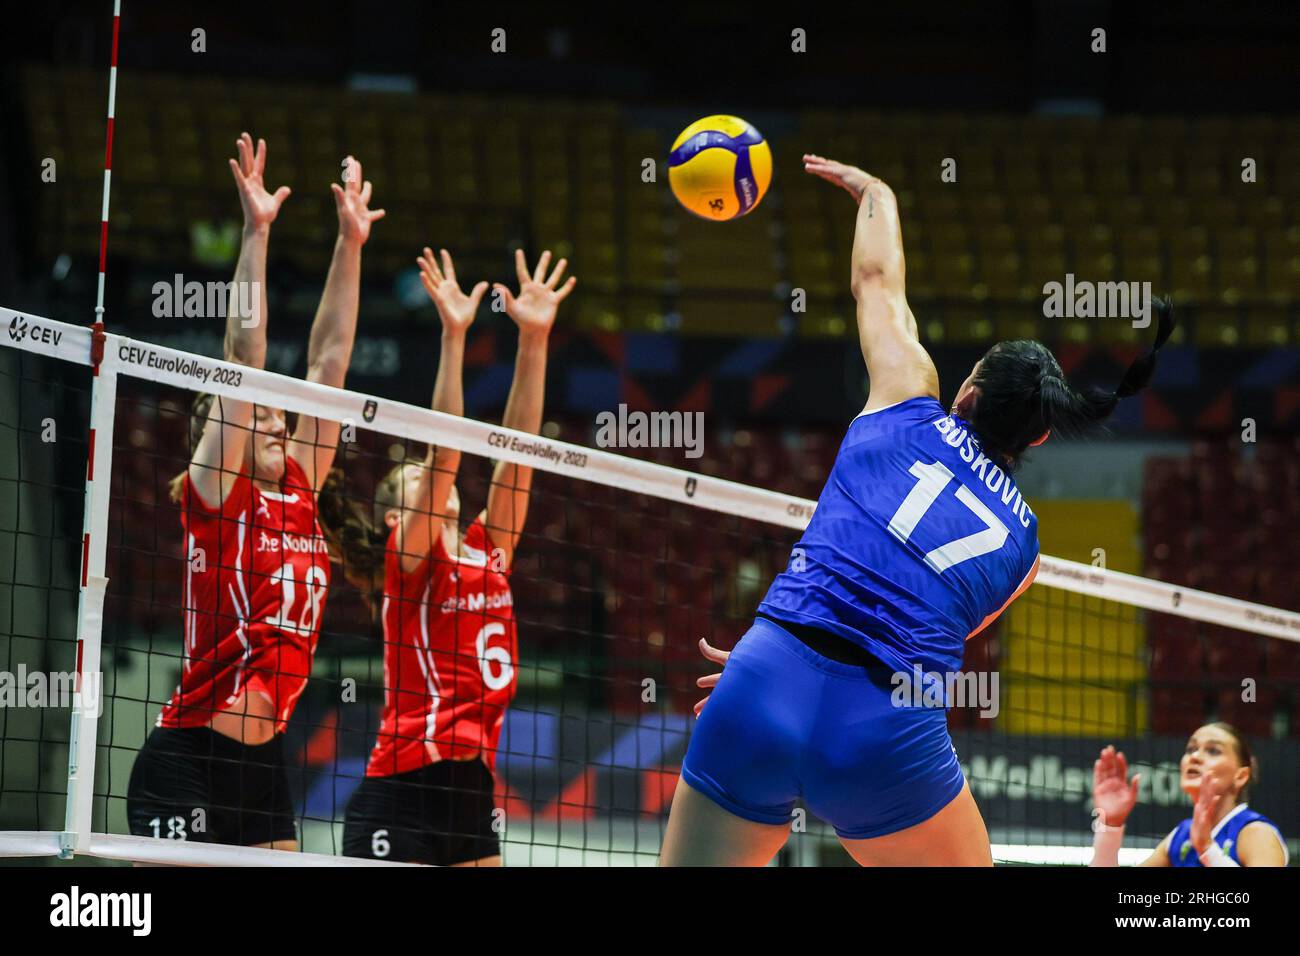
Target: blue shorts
[(786, 723)]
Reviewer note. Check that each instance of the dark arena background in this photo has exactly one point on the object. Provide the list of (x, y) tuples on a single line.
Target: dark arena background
[(1024, 148)]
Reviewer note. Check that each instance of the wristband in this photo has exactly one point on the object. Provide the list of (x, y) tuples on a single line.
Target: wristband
[(1214, 856), (1105, 845)]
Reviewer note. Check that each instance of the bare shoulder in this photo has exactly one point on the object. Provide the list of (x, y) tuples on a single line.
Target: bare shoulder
[(1260, 844), (1160, 855)]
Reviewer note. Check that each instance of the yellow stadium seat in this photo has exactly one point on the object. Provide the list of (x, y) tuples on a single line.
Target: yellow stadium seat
[(1050, 708), (1268, 328), (1217, 327)]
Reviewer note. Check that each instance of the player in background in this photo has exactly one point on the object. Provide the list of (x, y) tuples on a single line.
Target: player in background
[(449, 627), (919, 541), (1217, 772), (257, 566)]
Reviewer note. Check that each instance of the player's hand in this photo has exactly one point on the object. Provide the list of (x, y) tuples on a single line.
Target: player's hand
[(352, 200), (260, 206), (709, 681), (846, 177), (1112, 792), (1207, 801), (455, 308), (534, 308)]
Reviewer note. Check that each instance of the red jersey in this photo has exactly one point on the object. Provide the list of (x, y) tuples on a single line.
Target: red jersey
[(450, 647), (256, 578)]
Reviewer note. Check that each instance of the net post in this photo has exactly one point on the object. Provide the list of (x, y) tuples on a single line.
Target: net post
[(88, 694), (82, 731)]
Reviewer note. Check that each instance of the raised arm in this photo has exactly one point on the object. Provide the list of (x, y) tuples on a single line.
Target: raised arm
[(329, 349), (1114, 796), (1258, 844), (218, 457), (898, 365), (533, 310), (424, 517)]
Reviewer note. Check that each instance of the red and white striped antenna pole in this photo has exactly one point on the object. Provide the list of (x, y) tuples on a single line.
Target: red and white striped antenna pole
[(89, 688), (97, 338)]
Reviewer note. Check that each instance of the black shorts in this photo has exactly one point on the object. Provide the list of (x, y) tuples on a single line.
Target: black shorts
[(440, 814), (192, 783)]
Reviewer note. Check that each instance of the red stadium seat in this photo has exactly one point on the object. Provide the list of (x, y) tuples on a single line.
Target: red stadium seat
[(1223, 579), (981, 654), (1277, 586), (962, 718), (1230, 652), (1253, 718), (1177, 655), (1175, 708), (1282, 661)]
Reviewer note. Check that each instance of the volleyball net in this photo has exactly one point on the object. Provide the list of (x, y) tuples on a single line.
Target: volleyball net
[(624, 564)]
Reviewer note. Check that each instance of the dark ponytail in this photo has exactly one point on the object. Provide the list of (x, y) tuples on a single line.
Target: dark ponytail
[(356, 541), (1023, 394)]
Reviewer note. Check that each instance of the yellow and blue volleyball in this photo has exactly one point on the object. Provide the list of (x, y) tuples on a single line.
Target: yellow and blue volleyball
[(720, 167)]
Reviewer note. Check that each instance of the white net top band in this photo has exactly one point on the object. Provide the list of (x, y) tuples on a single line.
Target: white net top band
[(186, 370)]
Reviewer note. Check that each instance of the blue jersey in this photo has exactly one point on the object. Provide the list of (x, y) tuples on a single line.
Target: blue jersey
[(1226, 834), (917, 538)]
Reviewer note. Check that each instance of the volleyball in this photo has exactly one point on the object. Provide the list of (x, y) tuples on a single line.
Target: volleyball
[(720, 167)]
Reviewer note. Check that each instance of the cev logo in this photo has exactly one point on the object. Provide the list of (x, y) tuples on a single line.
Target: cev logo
[(20, 329)]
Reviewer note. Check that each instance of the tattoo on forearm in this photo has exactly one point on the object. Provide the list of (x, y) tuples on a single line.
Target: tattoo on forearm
[(871, 205)]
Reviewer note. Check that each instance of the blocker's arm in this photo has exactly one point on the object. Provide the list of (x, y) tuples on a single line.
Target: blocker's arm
[(218, 457)]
